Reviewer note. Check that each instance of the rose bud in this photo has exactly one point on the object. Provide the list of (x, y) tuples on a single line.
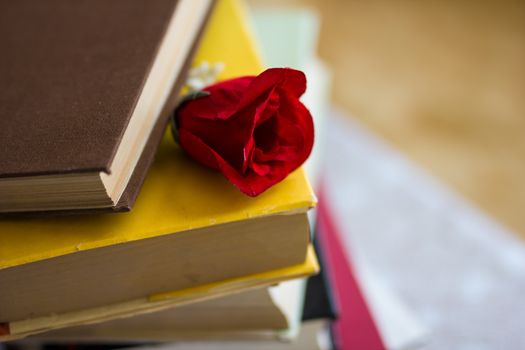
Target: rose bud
[(252, 129)]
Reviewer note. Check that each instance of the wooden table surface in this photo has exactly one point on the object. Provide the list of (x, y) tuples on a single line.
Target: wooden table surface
[(443, 81)]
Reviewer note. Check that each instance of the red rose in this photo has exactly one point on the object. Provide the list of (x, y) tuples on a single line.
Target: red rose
[(254, 130)]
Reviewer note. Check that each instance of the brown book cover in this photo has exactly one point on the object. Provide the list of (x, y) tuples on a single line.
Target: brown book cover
[(72, 74)]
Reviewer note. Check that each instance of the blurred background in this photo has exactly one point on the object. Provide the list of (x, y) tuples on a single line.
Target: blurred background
[(443, 81), (421, 143)]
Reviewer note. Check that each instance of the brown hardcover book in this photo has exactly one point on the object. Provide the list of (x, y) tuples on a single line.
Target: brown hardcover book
[(86, 88)]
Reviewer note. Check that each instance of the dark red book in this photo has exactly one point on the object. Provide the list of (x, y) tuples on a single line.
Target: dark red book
[(355, 327)]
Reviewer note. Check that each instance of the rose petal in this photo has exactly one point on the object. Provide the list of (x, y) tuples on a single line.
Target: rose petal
[(197, 149), (201, 152), (295, 111), (222, 102), (286, 79)]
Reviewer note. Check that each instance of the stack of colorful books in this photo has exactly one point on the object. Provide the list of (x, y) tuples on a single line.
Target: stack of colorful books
[(87, 89)]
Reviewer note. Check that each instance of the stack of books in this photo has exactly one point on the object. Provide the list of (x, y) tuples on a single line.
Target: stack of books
[(86, 91)]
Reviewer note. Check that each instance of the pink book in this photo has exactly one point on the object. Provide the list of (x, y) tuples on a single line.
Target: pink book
[(355, 328)]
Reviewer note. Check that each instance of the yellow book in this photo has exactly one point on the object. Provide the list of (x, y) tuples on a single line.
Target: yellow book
[(156, 303), (259, 313), (190, 228)]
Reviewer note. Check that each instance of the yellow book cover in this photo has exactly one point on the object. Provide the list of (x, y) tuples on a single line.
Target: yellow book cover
[(178, 194)]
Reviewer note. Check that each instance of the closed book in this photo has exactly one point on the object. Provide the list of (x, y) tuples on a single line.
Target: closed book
[(114, 321), (257, 314), (191, 235), (86, 88), (319, 300), (353, 310), (260, 314), (313, 336)]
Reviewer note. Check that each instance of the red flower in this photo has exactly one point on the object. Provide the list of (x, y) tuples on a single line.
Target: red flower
[(254, 130)]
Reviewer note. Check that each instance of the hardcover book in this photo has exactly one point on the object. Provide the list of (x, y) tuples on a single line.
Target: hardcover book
[(86, 88), (260, 313), (94, 320)]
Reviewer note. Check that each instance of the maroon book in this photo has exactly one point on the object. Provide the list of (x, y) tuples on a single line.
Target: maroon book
[(86, 88), (355, 327)]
